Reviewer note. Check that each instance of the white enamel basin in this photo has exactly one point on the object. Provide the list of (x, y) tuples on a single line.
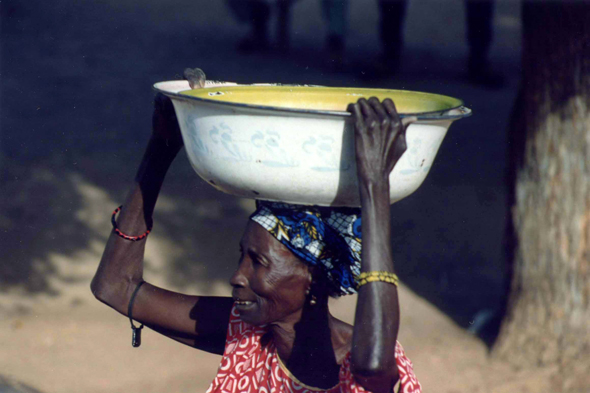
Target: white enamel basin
[(295, 143)]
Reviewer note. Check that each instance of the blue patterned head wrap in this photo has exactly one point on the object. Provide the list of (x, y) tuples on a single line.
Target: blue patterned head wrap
[(327, 237)]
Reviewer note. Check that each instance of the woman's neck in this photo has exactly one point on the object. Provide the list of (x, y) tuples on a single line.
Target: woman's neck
[(309, 347)]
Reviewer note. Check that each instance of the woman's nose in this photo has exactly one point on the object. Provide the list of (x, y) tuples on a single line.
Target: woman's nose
[(239, 279)]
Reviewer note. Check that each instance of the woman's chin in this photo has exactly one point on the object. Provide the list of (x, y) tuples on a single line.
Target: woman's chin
[(249, 312)]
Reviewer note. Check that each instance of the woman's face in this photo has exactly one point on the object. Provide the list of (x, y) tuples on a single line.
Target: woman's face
[(270, 282)]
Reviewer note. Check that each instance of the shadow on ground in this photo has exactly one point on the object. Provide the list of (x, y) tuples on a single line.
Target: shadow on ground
[(9, 385)]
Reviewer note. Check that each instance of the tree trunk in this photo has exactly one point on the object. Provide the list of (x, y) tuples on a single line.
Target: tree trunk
[(548, 314)]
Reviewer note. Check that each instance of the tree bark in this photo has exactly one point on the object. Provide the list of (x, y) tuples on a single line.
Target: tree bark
[(548, 313)]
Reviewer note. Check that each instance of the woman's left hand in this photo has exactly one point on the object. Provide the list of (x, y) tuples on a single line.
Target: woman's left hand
[(380, 138)]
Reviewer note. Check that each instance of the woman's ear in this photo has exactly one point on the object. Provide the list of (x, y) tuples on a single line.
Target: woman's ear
[(310, 279), (311, 276), (318, 284)]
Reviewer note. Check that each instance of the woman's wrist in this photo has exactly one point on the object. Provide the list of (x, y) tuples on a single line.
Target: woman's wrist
[(150, 176), (164, 147), (371, 189), (156, 160)]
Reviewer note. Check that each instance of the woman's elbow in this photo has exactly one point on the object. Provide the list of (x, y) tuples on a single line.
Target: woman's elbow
[(376, 376), (107, 292), (99, 289)]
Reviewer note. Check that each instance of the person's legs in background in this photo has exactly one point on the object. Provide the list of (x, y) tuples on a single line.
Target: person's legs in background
[(480, 16), (335, 13), (257, 13), (283, 24), (391, 32)]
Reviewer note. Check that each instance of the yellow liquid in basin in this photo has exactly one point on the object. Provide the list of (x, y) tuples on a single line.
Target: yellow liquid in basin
[(324, 98)]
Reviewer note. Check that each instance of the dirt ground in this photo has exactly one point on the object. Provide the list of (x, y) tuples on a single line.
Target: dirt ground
[(76, 99)]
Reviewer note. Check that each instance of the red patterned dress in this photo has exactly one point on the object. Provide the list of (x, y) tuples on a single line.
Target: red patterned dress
[(249, 367)]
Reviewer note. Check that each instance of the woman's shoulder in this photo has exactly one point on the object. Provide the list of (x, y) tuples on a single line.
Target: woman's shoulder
[(341, 339)]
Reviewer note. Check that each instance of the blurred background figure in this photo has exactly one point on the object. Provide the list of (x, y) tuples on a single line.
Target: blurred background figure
[(335, 14), (479, 15), (479, 26), (258, 13), (391, 32)]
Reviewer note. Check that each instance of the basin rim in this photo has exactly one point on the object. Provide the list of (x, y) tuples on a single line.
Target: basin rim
[(454, 113)]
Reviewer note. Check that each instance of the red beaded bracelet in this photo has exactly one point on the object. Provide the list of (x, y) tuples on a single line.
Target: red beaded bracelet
[(124, 236)]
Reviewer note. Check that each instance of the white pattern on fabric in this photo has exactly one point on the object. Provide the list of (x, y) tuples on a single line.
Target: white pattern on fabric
[(249, 367)]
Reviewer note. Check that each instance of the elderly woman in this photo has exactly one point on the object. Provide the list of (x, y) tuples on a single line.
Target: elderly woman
[(276, 333)]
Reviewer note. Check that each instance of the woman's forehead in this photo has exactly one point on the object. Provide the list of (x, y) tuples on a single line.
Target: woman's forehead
[(259, 239)]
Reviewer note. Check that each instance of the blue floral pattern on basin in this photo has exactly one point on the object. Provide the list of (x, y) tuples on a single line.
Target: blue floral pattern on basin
[(322, 147)]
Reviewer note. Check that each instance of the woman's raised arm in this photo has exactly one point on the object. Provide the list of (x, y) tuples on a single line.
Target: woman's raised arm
[(197, 321), (380, 142)]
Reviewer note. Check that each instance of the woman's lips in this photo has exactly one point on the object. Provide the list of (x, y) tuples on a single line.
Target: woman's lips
[(243, 300), (244, 305)]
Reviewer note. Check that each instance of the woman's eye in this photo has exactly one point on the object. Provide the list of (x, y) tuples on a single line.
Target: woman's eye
[(258, 261)]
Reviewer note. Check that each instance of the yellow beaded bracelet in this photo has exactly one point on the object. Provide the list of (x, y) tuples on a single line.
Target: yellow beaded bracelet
[(373, 276)]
